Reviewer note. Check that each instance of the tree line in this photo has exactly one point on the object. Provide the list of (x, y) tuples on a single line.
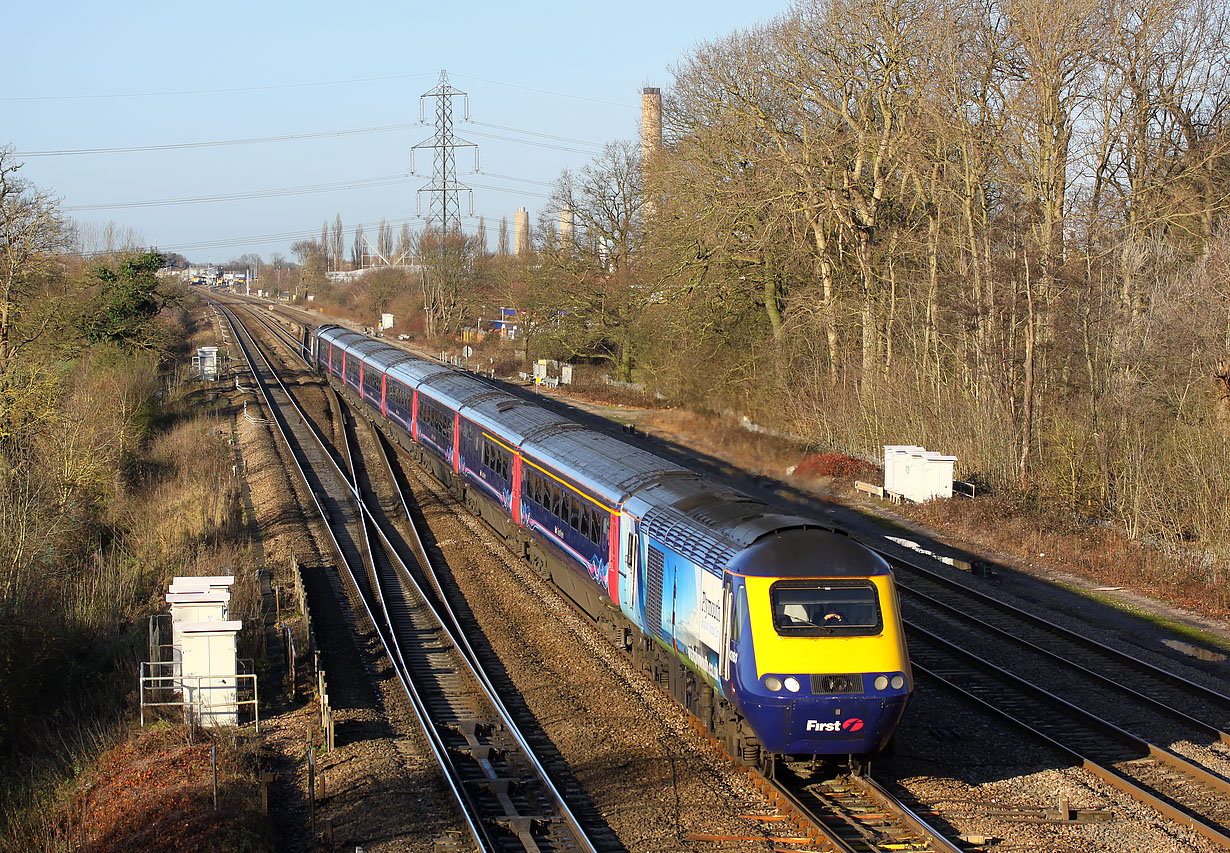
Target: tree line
[(992, 227)]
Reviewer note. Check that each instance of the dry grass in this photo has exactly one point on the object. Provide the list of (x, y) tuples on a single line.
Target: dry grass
[(153, 791), (173, 507)]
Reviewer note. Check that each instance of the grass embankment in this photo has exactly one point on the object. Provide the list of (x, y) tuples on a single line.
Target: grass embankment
[(75, 770)]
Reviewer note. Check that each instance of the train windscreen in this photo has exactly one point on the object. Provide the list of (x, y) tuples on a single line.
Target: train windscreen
[(825, 607)]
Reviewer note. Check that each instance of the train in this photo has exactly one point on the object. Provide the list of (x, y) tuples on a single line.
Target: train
[(782, 636)]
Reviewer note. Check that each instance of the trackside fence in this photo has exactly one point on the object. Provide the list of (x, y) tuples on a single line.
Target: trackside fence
[(311, 653)]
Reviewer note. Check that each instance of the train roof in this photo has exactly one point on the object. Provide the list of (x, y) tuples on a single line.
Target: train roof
[(339, 335), (706, 522), (514, 418), (455, 389), (366, 349), (608, 466), (387, 357), (808, 553), (709, 524), (416, 370)]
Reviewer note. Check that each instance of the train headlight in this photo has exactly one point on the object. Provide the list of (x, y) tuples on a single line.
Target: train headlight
[(898, 682), (792, 684), (772, 682), (881, 682)]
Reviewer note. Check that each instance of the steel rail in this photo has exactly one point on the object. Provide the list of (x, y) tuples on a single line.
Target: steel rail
[(458, 640), (1048, 627), (439, 751), (1067, 711), (913, 820), (871, 789), (1106, 681)]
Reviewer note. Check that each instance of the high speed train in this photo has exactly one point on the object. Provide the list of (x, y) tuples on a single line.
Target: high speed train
[(783, 637)]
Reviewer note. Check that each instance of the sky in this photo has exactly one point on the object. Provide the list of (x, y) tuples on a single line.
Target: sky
[(548, 83)]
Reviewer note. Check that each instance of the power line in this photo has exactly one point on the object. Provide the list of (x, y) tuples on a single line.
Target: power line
[(215, 144), (177, 146), (535, 133), (510, 190), (361, 183), (532, 142), (512, 178), (269, 87), (182, 248), (358, 183), (548, 92), (267, 238)]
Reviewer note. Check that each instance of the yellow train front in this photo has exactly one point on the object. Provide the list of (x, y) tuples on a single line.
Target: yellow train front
[(817, 661)]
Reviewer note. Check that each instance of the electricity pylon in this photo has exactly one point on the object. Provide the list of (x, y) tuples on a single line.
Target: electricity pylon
[(444, 189)]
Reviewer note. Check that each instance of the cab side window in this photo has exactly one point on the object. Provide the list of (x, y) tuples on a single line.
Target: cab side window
[(740, 614)]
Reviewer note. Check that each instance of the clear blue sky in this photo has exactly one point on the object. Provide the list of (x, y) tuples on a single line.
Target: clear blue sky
[(95, 75)]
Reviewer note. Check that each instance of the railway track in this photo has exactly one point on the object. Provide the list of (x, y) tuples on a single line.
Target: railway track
[(851, 814), (848, 817), (1181, 790), (506, 799), (821, 811), (923, 591)]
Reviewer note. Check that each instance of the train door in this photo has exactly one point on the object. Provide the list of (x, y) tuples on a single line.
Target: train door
[(457, 443), (515, 505), (727, 616), (629, 566)]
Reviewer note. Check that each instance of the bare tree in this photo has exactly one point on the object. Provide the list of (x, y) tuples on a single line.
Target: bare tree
[(358, 248), (593, 279), (337, 247), (32, 233), (405, 244), (448, 278), (384, 240), (502, 243)]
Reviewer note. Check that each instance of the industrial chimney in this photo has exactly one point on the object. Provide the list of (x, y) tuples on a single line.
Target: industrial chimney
[(651, 123), (566, 220), (651, 142), (521, 231)]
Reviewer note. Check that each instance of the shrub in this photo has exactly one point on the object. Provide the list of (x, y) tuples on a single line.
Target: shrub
[(838, 466)]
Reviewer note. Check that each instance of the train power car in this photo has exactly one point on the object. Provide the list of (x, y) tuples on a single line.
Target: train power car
[(782, 636)]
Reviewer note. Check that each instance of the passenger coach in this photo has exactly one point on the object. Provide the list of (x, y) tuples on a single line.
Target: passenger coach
[(782, 636)]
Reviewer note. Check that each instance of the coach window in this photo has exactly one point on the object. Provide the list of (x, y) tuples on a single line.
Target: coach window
[(495, 458), (437, 420), (399, 395)]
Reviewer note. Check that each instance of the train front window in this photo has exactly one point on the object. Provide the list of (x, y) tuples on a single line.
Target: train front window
[(822, 608)]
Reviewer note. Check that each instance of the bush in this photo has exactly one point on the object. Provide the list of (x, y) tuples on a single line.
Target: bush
[(838, 466)]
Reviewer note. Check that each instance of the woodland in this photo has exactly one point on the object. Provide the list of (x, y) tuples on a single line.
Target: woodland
[(996, 229)]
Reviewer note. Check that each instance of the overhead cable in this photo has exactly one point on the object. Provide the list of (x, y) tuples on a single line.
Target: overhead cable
[(269, 87), (180, 145), (360, 183)]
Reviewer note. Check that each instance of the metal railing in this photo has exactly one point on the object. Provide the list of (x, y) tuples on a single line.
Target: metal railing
[(207, 700)]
